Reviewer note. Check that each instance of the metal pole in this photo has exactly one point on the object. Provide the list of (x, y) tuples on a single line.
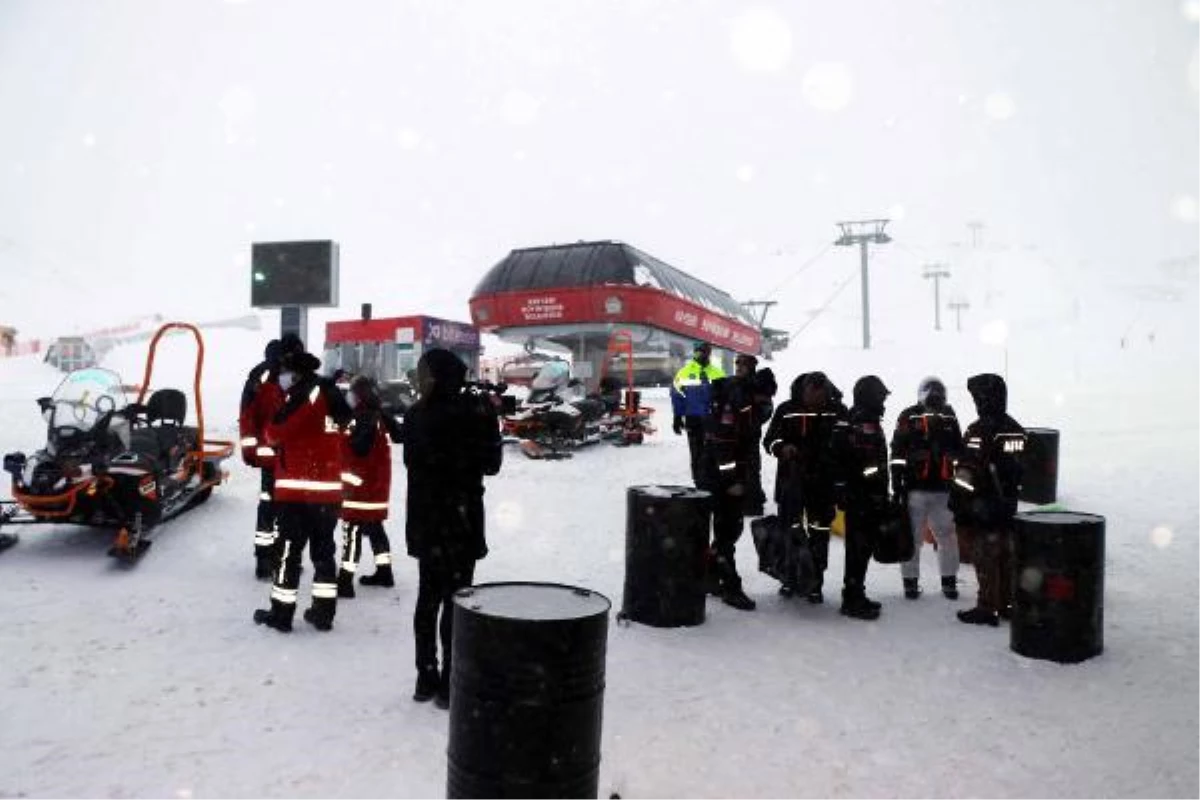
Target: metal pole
[(866, 299), (937, 303)]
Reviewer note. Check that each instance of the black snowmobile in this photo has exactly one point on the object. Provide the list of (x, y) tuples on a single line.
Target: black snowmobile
[(110, 463)]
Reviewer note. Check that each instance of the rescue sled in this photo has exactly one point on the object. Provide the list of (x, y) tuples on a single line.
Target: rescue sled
[(113, 464)]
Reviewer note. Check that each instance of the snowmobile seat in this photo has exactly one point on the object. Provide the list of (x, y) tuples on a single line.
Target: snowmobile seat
[(167, 405)]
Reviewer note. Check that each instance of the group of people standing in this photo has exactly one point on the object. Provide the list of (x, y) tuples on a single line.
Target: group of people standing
[(961, 485), (324, 457)]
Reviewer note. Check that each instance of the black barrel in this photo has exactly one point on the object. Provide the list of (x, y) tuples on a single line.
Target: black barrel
[(1039, 478), (526, 691), (1058, 583), (666, 539)]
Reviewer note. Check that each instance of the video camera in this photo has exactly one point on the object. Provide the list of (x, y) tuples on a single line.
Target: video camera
[(494, 393)]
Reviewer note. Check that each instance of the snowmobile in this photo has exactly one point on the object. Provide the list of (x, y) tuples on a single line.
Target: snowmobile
[(113, 464), (559, 415)]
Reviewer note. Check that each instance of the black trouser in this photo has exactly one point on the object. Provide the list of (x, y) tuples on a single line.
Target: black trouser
[(755, 497), (810, 502), (440, 578), (862, 526), (314, 525), (352, 544), (695, 434), (727, 529), (266, 540)]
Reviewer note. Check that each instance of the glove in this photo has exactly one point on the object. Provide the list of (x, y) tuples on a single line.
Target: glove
[(677, 425)]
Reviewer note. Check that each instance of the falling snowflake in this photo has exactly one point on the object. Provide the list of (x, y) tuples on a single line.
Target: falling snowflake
[(520, 108), (761, 40), (1185, 208), (408, 139), (994, 332), (828, 86), (999, 106), (745, 173), (1161, 536), (89, 140)]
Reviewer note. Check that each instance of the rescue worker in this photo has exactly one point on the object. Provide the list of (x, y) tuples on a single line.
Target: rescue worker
[(451, 441), (799, 437), (366, 485), (925, 445), (725, 472), (861, 454), (308, 490), (761, 387), (983, 497), (261, 399), (690, 396)]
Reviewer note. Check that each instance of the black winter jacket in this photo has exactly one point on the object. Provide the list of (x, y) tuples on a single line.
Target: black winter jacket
[(451, 442), (925, 445)]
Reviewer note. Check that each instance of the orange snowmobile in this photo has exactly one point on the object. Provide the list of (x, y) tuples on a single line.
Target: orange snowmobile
[(114, 464)]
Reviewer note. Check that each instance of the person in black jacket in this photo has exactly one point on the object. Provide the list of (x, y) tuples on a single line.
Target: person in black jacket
[(451, 441), (987, 481), (861, 453), (799, 437), (925, 445), (760, 386), (725, 471)]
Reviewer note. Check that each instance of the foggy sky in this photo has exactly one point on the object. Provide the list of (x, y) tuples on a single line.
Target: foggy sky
[(144, 145)]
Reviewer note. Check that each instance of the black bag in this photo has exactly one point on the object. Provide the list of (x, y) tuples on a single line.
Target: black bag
[(894, 539), (784, 555)]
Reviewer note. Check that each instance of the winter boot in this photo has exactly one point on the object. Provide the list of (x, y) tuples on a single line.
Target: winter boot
[(320, 613), (278, 616), (814, 595), (732, 595), (345, 584), (912, 588), (1006, 612), (382, 577), (427, 684), (979, 616), (442, 700), (786, 591), (950, 587), (856, 605)]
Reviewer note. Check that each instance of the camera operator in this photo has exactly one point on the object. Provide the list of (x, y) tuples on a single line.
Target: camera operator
[(451, 441)]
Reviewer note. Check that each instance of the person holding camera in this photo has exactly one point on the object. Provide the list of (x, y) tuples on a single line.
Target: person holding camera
[(691, 394), (983, 497), (451, 442)]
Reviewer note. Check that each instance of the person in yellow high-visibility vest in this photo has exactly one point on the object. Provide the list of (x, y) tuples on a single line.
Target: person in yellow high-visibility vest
[(691, 394)]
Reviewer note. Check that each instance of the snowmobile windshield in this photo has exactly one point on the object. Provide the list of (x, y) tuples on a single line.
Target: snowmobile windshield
[(84, 397), (552, 375)]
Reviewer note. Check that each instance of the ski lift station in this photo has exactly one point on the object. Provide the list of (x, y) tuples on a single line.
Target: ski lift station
[(576, 296)]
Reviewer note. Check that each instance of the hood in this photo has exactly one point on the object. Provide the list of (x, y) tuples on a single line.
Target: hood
[(870, 393), (989, 392), (797, 390), (930, 386), (445, 368)]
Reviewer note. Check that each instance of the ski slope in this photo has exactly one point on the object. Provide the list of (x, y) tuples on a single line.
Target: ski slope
[(153, 682)]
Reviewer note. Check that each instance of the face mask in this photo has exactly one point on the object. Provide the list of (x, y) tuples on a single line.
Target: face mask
[(287, 380)]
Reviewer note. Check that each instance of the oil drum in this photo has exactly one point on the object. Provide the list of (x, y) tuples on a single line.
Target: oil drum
[(1058, 585), (666, 541), (526, 691)]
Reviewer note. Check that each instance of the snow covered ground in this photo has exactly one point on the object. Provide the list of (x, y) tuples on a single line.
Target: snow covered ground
[(154, 681)]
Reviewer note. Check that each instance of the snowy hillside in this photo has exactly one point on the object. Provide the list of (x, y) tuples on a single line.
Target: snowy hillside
[(154, 681)]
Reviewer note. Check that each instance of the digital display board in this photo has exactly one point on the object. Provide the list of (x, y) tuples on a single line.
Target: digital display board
[(294, 274)]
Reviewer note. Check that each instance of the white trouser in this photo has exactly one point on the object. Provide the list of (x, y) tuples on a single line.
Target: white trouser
[(933, 507)]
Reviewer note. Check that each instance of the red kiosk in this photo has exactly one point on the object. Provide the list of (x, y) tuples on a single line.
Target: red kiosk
[(577, 295), (388, 349)]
